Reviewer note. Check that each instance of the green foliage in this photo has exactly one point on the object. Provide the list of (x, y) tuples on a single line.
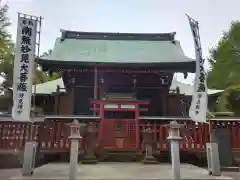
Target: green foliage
[(4, 23), (225, 59), (6, 48), (7, 56), (225, 68), (41, 76), (229, 102), (7, 53)]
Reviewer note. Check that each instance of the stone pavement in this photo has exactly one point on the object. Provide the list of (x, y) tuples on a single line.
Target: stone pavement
[(234, 175), (119, 171), (5, 174)]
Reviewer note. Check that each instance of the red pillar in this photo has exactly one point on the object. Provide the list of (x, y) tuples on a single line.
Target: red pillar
[(101, 125), (137, 113)]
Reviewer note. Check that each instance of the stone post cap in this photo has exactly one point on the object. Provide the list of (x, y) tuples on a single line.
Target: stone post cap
[(174, 130), (174, 125), (75, 129), (76, 124)]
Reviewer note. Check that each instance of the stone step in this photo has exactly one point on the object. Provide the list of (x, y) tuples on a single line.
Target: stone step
[(119, 171), (230, 169), (121, 157)]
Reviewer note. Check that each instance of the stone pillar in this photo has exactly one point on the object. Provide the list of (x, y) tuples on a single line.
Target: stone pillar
[(29, 158), (92, 138), (148, 142), (74, 137), (213, 155), (174, 138)]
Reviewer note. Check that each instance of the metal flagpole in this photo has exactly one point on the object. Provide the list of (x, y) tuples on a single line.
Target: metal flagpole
[(95, 88), (209, 117), (199, 108), (35, 65), (39, 19)]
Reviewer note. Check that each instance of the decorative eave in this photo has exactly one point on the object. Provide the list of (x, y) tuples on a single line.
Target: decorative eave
[(51, 87), (66, 34), (118, 49)]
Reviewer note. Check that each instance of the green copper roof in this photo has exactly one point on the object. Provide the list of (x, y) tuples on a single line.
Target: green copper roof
[(117, 51)]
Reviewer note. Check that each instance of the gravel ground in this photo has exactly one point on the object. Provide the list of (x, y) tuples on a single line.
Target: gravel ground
[(5, 174), (235, 175)]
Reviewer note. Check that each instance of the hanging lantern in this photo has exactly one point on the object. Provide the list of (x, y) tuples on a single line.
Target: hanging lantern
[(101, 80), (134, 81), (73, 80), (185, 75)]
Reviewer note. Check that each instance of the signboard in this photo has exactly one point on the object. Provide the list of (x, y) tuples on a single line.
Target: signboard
[(23, 68), (198, 109), (127, 106), (110, 106)]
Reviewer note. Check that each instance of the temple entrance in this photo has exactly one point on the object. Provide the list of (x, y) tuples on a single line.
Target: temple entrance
[(119, 130), (119, 120)]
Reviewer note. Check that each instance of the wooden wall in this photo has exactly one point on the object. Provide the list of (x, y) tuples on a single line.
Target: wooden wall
[(64, 103), (174, 106)]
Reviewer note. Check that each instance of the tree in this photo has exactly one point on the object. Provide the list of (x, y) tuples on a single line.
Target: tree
[(6, 49), (41, 76), (225, 59), (5, 37), (7, 55), (225, 69)]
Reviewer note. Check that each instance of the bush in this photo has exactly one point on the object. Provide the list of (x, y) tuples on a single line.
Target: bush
[(230, 100)]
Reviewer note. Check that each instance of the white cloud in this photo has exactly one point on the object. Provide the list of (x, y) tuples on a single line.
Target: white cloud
[(10, 1), (2, 2)]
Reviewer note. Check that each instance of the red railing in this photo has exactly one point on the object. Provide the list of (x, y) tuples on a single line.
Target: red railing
[(13, 135), (52, 135), (194, 137)]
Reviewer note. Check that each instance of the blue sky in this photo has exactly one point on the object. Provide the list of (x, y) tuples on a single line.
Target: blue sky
[(137, 16)]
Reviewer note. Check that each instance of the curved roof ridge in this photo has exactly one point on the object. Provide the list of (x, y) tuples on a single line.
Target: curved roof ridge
[(117, 51), (170, 36)]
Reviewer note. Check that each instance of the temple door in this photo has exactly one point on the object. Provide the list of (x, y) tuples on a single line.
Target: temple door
[(119, 133)]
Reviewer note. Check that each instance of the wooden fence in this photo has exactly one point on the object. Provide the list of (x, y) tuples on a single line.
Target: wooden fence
[(52, 136)]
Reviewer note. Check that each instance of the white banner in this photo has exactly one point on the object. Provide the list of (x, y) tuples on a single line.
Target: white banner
[(24, 68), (199, 105)]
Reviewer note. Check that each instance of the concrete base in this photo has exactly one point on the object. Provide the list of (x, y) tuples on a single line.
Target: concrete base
[(213, 159), (29, 158), (119, 171), (149, 160), (89, 159), (10, 160), (230, 169)]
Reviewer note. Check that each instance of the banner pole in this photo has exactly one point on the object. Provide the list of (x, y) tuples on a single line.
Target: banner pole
[(209, 117), (198, 109), (35, 66), (35, 77)]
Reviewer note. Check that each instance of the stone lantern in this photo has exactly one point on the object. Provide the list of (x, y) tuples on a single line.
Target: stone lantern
[(148, 143), (75, 130), (174, 130), (174, 137), (91, 140), (75, 138)]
